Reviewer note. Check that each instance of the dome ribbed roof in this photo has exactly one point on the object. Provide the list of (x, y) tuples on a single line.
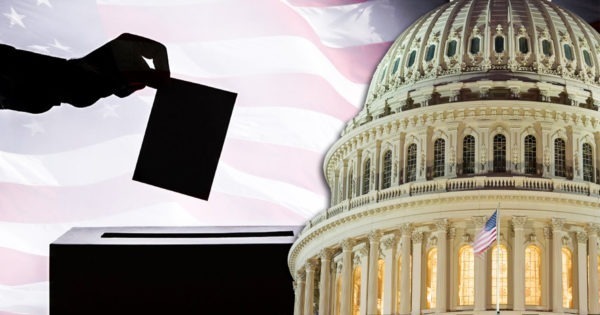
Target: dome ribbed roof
[(472, 40)]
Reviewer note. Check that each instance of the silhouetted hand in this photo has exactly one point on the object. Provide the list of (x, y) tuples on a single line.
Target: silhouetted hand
[(119, 68)]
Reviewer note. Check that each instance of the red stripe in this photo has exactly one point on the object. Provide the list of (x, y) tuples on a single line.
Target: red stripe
[(22, 268)]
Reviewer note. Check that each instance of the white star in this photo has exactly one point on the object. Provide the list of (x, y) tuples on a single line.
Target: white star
[(15, 18), (109, 110), (46, 2), (39, 48), (35, 127), (60, 46)]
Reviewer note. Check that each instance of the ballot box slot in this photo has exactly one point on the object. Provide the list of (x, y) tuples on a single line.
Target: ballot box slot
[(198, 235)]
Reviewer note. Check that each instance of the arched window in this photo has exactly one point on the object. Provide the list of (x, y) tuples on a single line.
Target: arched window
[(533, 275), (587, 58), (383, 74), (386, 181), (501, 263), (411, 58), (499, 153), (530, 155), (430, 52), (466, 276), (356, 290), (568, 52), (560, 165), (567, 277), (499, 44), (547, 48), (431, 278), (523, 45), (366, 180), (380, 273), (588, 163), (439, 158), (411, 163), (396, 64), (469, 155), (474, 49), (451, 50)]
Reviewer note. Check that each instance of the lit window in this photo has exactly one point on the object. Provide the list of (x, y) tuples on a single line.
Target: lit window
[(338, 295), (568, 52), (366, 180), (387, 170), (411, 58), (587, 58), (356, 291), (474, 45), (499, 44), (499, 153), (396, 64), (451, 51), (469, 155), (530, 155), (588, 163), (546, 48), (523, 45), (400, 281), (411, 163), (560, 165), (350, 184), (430, 53), (599, 279), (439, 157), (533, 275), (503, 276), (380, 273), (466, 276), (431, 278), (567, 278)]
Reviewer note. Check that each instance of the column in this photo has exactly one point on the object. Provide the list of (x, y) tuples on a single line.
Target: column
[(324, 282), (582, 293), (346, 303), (557, 235), (480, 270), (309, 288), (372, 288), (417, 238), (518, 223), (406, 230), (299, 291), (593, 272), (390, 273), (442, 266), (546, 265)]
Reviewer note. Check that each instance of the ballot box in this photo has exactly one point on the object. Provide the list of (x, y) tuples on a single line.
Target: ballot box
[(172, 270)]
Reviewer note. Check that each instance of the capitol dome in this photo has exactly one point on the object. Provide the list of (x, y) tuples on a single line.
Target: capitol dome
[(479, 105)]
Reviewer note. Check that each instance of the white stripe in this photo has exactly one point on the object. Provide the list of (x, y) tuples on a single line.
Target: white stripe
[(33, 238), (300, 200), (159, 3), (25, 299), (261, 55), (355, 24)]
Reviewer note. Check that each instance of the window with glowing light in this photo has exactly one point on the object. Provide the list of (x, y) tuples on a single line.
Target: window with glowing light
[(502, 278), (466, 276), (366, 180), (338, 295), (533, 275), (431, 294), (399, 278), (567, 277), (380, 273), (356, 291), (386, 181)]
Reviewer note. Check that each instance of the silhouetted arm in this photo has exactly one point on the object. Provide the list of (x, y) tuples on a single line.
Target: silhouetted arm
[(34, 83)]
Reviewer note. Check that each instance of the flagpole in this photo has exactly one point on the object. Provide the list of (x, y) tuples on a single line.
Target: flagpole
[(498, 259)]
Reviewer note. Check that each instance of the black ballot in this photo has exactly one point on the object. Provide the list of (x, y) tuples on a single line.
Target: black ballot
[(184, 137)]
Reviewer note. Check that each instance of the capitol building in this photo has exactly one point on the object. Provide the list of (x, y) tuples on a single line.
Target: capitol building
[(479, 105)]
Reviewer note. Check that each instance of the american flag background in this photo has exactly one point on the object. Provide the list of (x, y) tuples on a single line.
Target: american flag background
[(300, 67)]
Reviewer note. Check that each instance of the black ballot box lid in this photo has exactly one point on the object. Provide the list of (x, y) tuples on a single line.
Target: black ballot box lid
[(172, 270), (184, 137)]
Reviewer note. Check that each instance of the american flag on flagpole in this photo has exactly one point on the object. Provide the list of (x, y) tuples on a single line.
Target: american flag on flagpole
[(487, 236)]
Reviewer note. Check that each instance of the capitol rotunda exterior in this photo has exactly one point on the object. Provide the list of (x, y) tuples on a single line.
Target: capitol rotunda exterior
[(479, 104)]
